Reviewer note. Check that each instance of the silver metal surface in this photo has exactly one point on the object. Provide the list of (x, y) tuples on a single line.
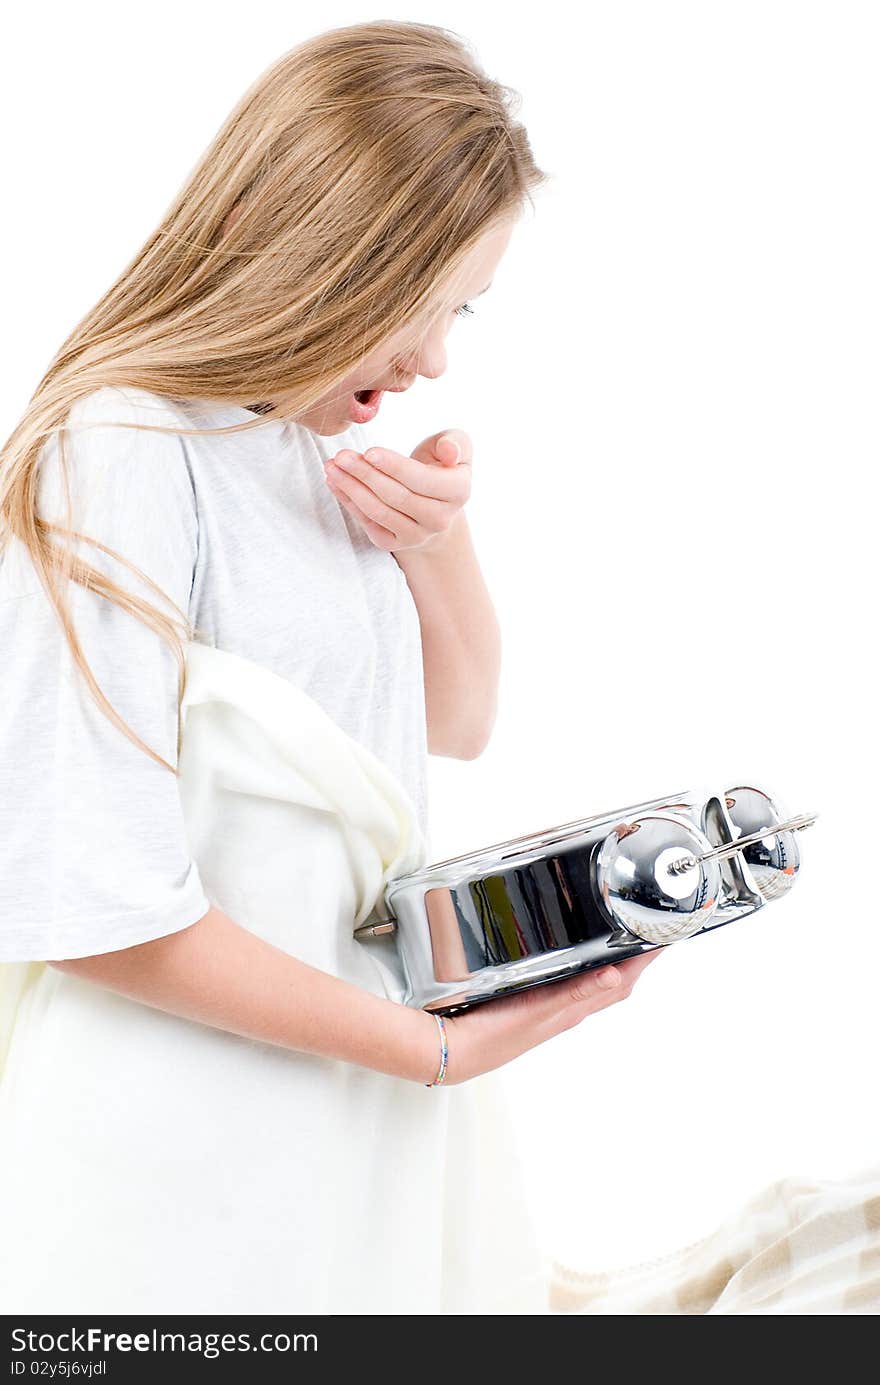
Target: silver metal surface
[(772, 858), (552, 903), (375, 930), (533, 841), (638, 888), (687, 863)]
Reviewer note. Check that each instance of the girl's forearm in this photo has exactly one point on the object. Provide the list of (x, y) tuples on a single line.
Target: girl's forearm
[(461, 640), (219, 974)]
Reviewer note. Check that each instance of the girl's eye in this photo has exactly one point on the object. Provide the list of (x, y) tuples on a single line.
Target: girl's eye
[(465, 310)]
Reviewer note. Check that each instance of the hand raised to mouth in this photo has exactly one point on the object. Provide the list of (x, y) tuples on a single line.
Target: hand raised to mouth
[(405, 502)]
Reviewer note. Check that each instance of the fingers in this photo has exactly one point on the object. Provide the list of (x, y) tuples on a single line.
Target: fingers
[(452, 484), (597, 988), (615, 982), (450, 440), (381, 537), (600, 987), (342, 481), (489, 1035), (386, 501), (634, 966)]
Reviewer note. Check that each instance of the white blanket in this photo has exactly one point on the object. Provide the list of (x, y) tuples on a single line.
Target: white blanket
[(801, 1247), (250, 735), (152, 1164)]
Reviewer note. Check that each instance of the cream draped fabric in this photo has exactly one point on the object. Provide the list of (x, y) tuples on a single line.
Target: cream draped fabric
[(152, 1164), (800, 1247)]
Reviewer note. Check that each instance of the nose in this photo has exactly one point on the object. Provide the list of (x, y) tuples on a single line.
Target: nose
[(428, 360), (432, 361)]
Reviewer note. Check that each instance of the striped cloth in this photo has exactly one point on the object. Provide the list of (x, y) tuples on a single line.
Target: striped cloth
[(798, 1247)]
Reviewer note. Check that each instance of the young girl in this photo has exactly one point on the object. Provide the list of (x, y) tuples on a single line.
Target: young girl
[(209, 1104)]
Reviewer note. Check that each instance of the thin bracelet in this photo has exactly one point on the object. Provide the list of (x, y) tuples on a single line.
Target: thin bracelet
[(444, 1053)]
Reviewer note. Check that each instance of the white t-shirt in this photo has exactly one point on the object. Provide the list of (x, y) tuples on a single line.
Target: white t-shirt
[(241, 532)]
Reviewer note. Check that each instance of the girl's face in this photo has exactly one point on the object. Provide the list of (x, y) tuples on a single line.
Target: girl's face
[(405, 355)]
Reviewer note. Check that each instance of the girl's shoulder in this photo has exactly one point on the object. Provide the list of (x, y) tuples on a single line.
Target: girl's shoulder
[(111, 430), (126, 405)]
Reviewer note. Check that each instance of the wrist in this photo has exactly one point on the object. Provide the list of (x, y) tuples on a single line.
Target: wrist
[(440, 1076), (420, 1046), (432, 548)]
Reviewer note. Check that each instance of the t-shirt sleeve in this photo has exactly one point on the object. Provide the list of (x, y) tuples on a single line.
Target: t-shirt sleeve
[(93, 849)]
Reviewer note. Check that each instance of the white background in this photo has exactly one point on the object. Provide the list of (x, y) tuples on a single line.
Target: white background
[(671, 388)]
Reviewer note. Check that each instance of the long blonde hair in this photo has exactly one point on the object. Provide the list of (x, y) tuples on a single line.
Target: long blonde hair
[(361, 167)]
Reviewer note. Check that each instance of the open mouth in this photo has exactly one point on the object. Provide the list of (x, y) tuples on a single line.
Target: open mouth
[(364, 405)]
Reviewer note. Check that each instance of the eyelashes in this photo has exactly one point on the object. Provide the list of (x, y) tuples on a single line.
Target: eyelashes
[(465, 310)]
